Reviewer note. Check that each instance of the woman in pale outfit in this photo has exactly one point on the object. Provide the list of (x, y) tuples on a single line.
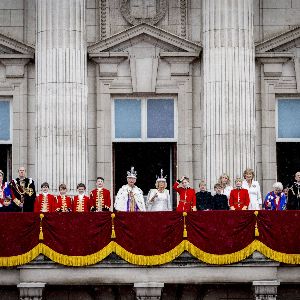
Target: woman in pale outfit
[(158, 199), (253, 188), (224, 180)]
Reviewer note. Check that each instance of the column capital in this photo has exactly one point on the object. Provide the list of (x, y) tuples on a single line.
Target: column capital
[(148, 290), (31, 290)]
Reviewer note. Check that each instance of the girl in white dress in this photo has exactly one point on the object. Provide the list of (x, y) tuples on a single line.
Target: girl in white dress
[(253, 188), (158, 199)]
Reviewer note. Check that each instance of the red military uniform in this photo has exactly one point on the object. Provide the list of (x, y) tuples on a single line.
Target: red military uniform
[(45, 203), (81, 206), (187, 197), (63, 203), (239, 198), (100, 199)]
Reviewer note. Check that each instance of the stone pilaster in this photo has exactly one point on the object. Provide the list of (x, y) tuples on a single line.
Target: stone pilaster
[(148, 291), (61, 61), (228, 92), (265, 290), (31, 290)]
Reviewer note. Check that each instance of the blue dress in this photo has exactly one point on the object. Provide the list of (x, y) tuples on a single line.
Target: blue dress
[(271, 204)]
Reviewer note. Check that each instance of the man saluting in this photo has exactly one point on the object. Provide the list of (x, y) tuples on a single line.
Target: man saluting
[(23, 191)]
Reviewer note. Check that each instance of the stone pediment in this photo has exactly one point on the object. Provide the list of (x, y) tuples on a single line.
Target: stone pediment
[(281, 42), (144, 33)]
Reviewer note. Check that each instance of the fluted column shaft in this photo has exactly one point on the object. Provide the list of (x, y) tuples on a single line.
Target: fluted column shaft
[(228, 95), (61, 93)]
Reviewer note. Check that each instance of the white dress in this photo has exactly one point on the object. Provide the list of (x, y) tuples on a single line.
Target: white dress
[(254, 193), (227, 190), (121, 203), (160, 203)]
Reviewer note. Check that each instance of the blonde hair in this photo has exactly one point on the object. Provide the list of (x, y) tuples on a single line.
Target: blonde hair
[(220, 179), (249, 171), (202, 182), (157, 183)]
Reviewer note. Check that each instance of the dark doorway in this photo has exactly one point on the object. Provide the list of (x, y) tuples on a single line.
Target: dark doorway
[(147, 159), (288, 161), (5, 161)]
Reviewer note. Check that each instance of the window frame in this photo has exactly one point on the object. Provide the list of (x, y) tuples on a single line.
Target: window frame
[(8, 142), (144, 119), (278, 139)]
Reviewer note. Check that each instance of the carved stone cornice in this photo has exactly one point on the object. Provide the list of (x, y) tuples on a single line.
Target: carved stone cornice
[(12, 45), (169, 40), (279, 40)]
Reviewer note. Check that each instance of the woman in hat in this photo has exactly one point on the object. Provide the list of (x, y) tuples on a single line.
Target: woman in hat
[(158, 199)]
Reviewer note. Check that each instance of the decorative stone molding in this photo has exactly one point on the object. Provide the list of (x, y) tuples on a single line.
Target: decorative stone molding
[(279, 40), (126, 11), (149, 291), (31, 290), (11, 45), (273, 62), (103, 18), (108, 62), (125, 39), (14, 64), (183, 17), (265, 290), (180, 62)]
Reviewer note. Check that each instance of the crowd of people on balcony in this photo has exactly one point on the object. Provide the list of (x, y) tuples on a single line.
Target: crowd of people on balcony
[(19, 195)]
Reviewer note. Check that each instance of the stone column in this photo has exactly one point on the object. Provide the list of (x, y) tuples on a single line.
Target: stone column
[(265, 290), (61, 63), (228, 91), (148, 291), (31, 290)]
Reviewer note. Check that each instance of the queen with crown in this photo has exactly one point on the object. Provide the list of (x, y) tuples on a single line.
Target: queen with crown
[(129, 197), (159, 198)]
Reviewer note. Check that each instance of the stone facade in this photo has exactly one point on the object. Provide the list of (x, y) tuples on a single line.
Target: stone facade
[(148, 48)]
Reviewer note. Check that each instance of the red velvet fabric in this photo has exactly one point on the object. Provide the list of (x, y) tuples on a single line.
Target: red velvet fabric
[(19, 233), (77, 234), (220, 232), (148, 233), (280, 230)]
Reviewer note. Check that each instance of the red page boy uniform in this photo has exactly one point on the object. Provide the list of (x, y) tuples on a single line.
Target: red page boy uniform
[(100, 197), (63, 202), (239, 198), (187, 195), (45, 202), (81, 201)]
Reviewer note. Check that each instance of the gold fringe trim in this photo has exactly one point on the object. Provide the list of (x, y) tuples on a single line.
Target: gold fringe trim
[(22, 259), (222, 259), (277, 256), (77, 261), (184, 225), (150, 260), (256, 232), (41, 235), (113, 233)]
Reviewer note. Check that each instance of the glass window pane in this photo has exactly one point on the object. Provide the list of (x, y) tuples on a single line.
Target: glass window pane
[(128, 118), (4, 120), (289, 118), (160, 118)]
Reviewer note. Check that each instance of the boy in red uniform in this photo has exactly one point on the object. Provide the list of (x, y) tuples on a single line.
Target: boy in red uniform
[(239, 198), (45, 202), (81, 201), (100, 197), (63, 202), (187, 195)]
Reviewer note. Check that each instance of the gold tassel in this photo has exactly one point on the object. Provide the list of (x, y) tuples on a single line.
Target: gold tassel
[(41, 235), (256, 232), (113, 233), (184, 225)]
